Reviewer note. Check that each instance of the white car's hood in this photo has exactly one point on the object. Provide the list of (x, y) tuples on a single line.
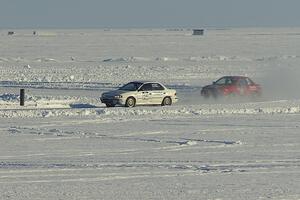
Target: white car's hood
[(113, 93)]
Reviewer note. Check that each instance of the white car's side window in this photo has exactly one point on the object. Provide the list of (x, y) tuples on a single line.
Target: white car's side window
[(156, 86), (146, 87)]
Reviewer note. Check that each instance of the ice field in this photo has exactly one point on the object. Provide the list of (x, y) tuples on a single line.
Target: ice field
[(65, 144)]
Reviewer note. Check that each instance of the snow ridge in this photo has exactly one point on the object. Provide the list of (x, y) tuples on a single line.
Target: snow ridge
[(149, 112)]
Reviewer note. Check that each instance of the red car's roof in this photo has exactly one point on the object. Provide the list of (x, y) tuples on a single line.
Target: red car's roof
[(235, 77)]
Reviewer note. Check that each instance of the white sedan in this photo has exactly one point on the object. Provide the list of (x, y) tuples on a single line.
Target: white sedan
[(140, 93)]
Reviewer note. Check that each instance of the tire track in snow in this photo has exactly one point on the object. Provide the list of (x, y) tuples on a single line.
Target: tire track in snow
[(65, 173)]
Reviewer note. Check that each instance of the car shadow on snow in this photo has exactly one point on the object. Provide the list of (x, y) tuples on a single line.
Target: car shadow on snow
[(82, 105)]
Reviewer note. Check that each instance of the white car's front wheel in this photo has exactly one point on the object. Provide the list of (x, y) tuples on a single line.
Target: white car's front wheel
[(130, 102), (167, 101)]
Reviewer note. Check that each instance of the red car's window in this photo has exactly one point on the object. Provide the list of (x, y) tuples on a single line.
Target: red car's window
[(221, 81), (250, 82), (228, 81), (243, 82), (224, 81)]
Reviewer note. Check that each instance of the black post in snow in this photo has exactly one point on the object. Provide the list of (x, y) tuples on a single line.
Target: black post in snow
[(22, 97)]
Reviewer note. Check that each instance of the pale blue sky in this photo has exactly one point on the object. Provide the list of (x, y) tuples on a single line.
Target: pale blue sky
[(148, 13)]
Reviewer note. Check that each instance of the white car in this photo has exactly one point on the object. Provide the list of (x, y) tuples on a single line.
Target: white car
[(140, 93)]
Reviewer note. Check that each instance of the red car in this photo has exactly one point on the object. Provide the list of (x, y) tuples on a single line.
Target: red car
[(232, 86)]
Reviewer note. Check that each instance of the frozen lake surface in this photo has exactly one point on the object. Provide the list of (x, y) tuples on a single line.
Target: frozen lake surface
[(64, 144)]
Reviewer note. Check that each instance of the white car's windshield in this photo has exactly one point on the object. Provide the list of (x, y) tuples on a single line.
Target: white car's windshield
[(132, 86)]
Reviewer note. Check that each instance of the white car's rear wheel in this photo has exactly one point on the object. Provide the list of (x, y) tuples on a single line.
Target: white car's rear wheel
[(167, 101), (130, 102)]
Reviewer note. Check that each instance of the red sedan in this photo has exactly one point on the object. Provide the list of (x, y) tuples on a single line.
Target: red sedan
[(232, 86)]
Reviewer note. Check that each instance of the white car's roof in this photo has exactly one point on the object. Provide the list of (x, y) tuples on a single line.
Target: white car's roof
[(144, 81)]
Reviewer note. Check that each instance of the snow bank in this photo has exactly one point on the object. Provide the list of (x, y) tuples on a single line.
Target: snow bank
[(26, 60), (9, 97), (127, 59), (10, 101), (3, 59), (46, 60), (151, 112), (139, 59), (218, 58), (193, 58), (282, 57), (166, 59)]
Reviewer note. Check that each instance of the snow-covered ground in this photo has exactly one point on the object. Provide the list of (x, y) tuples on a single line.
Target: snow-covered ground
[(64, 144)]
